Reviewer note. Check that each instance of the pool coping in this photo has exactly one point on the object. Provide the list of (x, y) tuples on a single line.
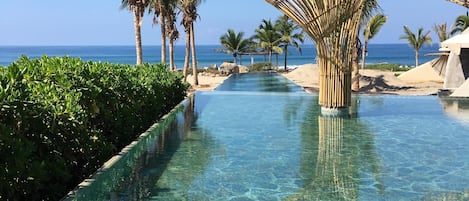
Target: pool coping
[(72, 195)]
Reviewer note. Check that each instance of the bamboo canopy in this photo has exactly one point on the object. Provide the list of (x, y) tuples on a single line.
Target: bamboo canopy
[(333, 25), (464, 3)]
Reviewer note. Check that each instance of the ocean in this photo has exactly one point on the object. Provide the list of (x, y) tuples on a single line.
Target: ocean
[(207, 55)]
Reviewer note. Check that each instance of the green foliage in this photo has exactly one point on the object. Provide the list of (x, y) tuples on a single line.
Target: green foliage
[(388, 67), (461, 23), (235, 43), (62, 118), (260, 67)]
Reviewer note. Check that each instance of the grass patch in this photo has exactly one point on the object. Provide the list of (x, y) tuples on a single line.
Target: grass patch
[(388, 67)]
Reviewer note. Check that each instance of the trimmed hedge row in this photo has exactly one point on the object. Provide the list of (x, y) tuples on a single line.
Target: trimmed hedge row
[(62, 118)]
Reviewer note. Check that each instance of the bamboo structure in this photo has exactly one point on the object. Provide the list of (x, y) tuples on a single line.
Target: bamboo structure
[(464, 3), (333, 25)]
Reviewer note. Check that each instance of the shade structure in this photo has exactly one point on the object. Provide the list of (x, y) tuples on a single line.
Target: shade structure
[(464, 3), (457, 65), (333, 25), (457, 42)]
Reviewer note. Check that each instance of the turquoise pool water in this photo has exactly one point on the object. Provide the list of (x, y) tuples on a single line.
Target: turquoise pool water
[(259, 145), (260, 82)]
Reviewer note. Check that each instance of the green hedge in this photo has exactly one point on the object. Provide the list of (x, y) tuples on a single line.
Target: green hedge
[(62, 118)]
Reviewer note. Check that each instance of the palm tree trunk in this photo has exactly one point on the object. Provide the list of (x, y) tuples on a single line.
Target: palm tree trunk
[(163, 38), (186, 57), (416, 58), (138, 35), (365, 45), (171, 55), (270, 57), (285, 50), (194, 57), (235, 59), (356, 71)]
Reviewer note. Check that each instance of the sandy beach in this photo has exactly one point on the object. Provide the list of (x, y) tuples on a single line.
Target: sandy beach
[(419, 81), (207, 82)]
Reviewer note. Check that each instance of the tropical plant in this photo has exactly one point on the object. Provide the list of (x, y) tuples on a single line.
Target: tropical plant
[(333, 25), (171, 30), (369, 8), (234, 43), (267, 38), (62, 118), (189, 16), (158, 7), (290, 34), (441, 31), (137, 7), (461, 24), (371, 29), (416, 41)]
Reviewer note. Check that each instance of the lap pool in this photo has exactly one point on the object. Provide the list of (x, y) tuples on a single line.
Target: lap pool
[(271, 143)]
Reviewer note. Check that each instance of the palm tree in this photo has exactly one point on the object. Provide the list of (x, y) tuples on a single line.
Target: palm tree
[(160, 13), (290, 33), (234, 43), (137, 7), (461, 24), (268, 38), (189, 16), (333, 25), (442, 31), (171, 30), (416, 41), (371, 29), (370, 6)]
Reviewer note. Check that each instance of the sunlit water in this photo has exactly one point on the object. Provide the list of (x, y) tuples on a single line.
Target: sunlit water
[(265, 145)]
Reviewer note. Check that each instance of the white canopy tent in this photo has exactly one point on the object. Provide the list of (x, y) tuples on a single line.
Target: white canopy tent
[(458, 60)]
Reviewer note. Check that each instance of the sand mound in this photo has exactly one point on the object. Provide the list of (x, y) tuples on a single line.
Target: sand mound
[(462, 91), (306, 75), (422, 73), (371, 81)]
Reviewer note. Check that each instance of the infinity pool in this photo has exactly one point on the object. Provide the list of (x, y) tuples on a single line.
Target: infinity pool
[(267, 145)]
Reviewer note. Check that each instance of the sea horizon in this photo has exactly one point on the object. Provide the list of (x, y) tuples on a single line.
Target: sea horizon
[(398, 53)]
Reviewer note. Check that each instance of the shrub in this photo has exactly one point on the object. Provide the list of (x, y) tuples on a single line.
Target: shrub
[(62, 118), (260, 67)]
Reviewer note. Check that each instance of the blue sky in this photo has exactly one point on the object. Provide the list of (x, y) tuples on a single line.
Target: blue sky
[(101, 22)]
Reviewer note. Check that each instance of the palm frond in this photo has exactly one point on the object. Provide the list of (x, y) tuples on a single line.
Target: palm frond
[(374, 25), (442, 31)]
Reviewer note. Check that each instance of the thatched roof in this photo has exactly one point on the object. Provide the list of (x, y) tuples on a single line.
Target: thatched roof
[(464, 3)]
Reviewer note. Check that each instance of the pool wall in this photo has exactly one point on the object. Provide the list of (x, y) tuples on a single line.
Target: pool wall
[(108, 177)]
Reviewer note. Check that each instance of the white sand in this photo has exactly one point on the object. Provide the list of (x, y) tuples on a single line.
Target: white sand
[(422, 73), (373, 81), (306, 75), (206, 82)]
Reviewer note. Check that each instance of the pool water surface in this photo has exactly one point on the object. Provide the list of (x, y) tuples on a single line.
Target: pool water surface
[(264, 144)]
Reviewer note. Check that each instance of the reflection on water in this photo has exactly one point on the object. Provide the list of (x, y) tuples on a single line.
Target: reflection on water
[(457, 108), (149, 178), (344, 151), (260, 82), (277, 146)]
